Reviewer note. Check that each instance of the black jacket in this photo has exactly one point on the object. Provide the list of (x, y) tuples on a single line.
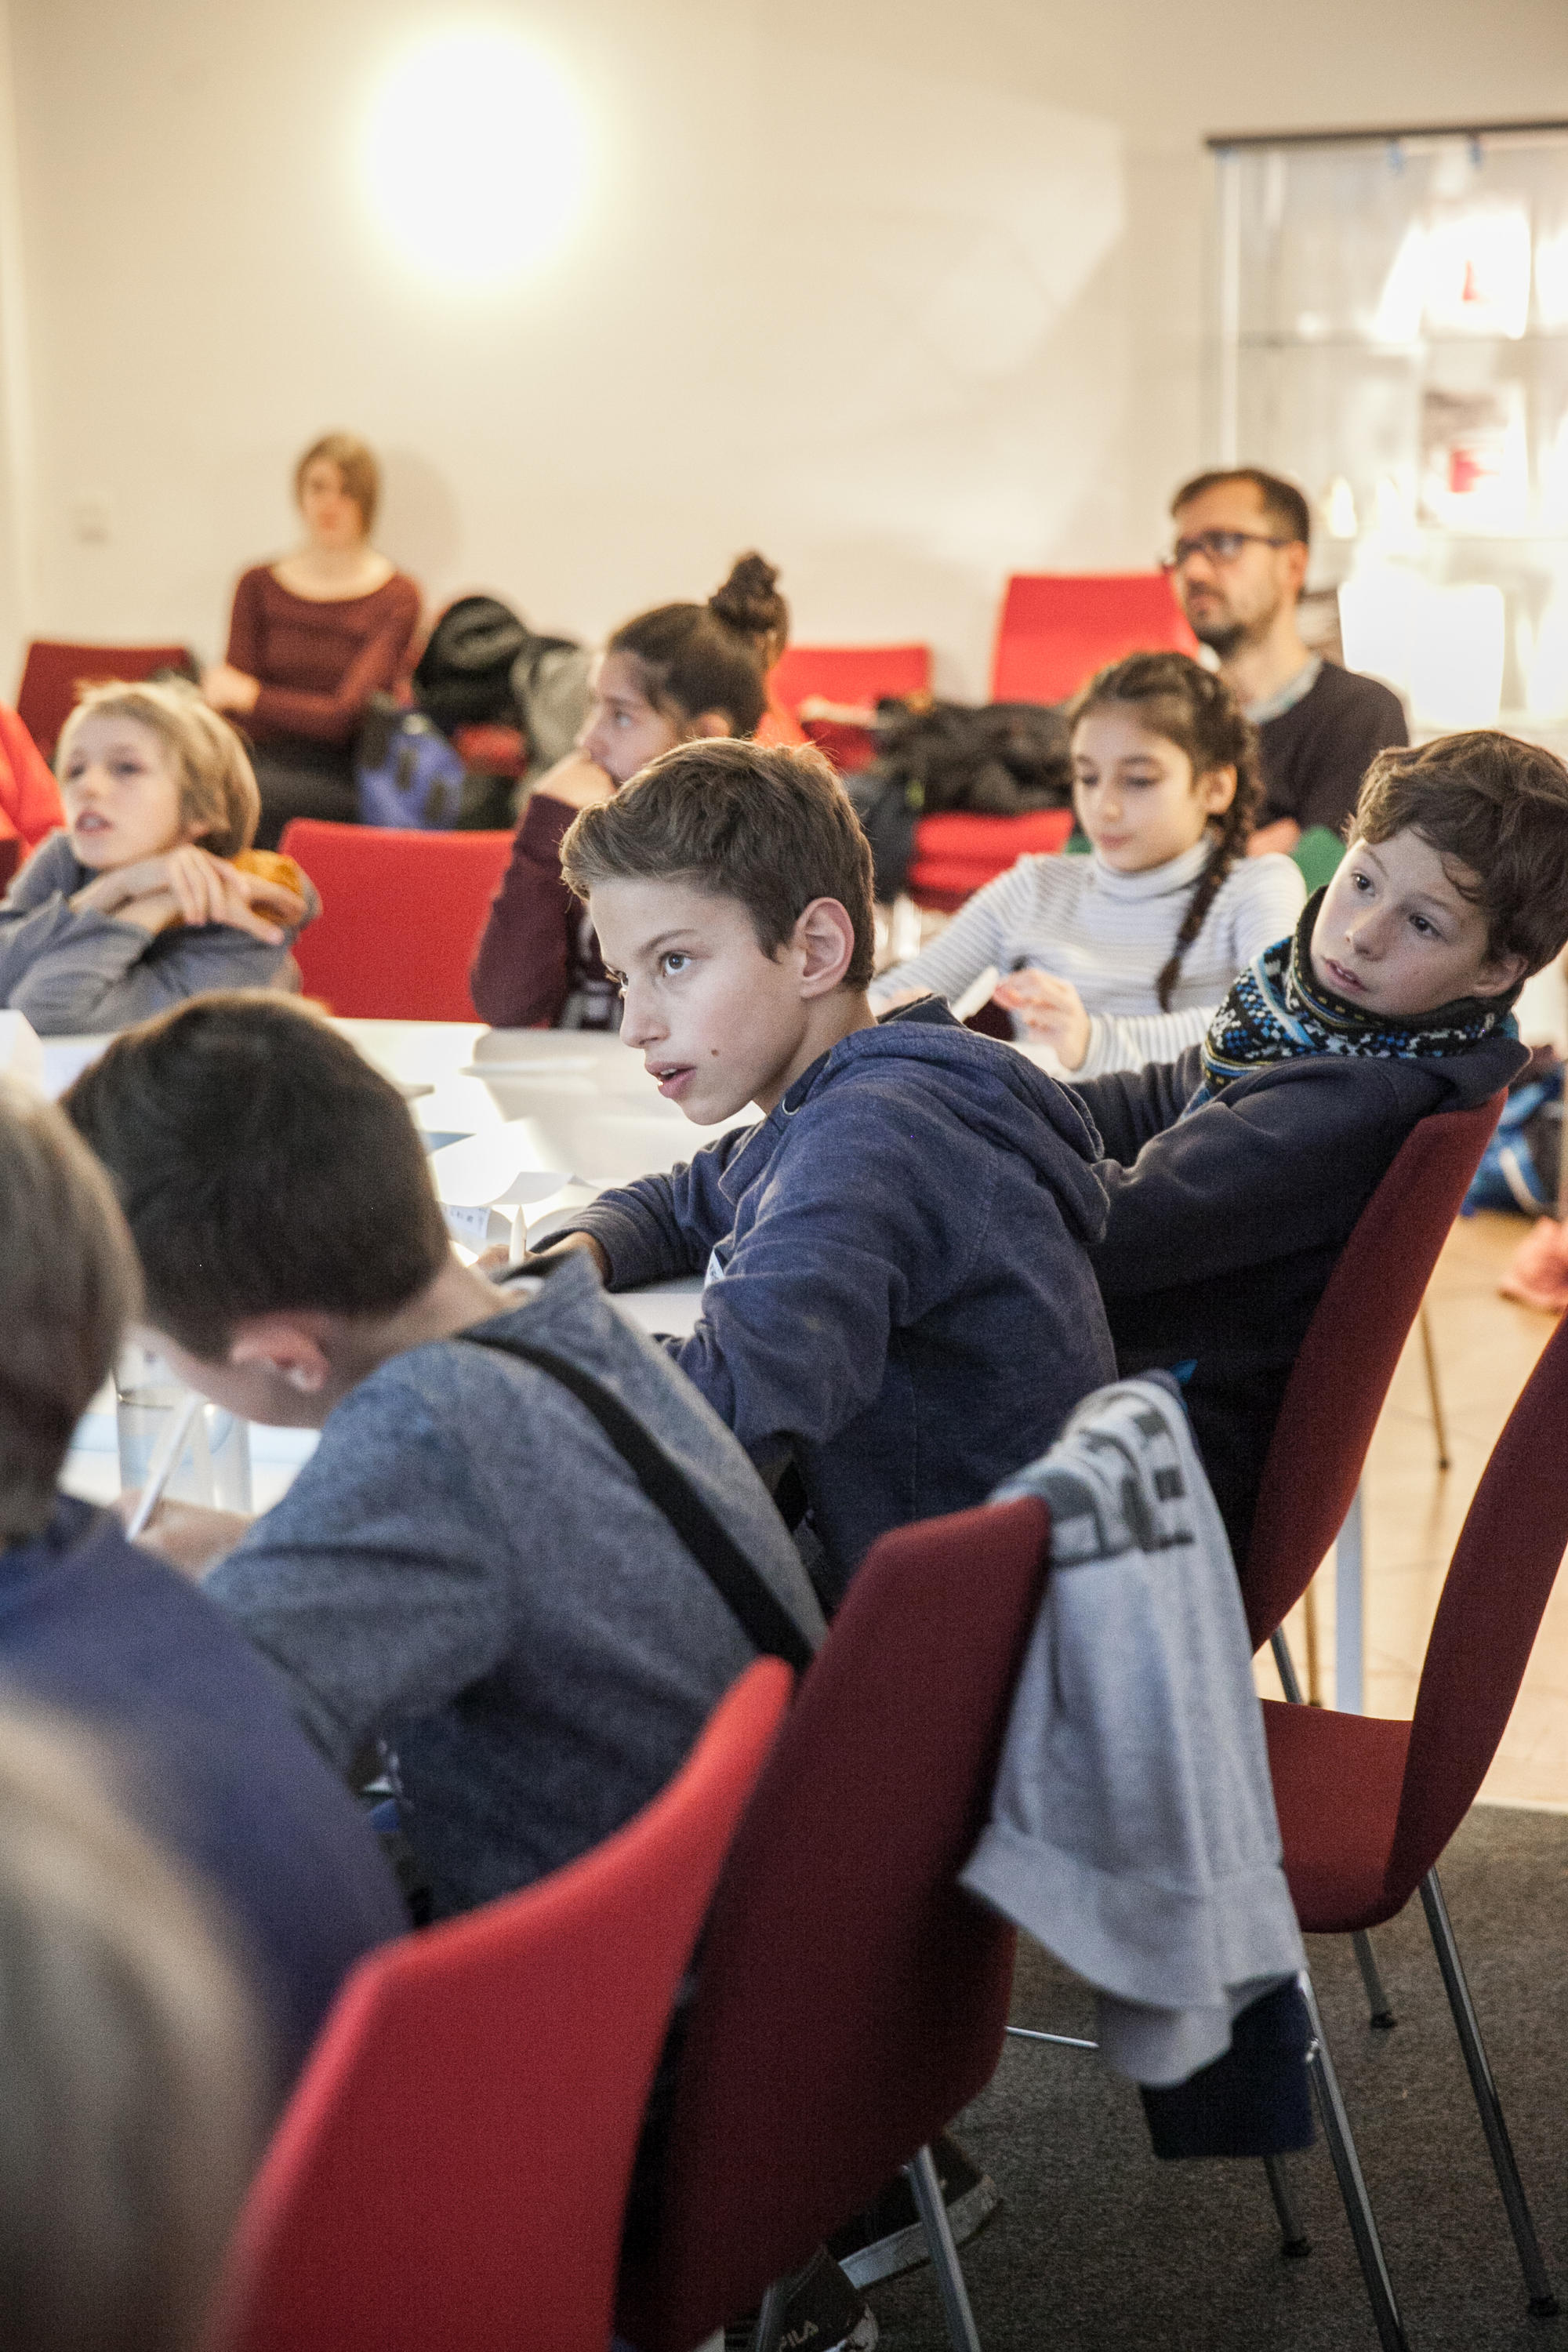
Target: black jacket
[(1225, 1227)]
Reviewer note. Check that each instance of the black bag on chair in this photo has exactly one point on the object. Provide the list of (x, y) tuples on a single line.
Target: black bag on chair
[(999, 759)]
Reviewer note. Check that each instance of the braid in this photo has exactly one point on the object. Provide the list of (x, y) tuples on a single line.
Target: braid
[(1193, 709)]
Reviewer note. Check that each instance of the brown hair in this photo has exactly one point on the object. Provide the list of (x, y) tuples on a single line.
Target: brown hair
[(218, 785), (263, 1167), (1497, 810), (1283, 504), (131, 2071), (768, 825), (712, 656), (1193, 709), (355, 461), (68, 1288)]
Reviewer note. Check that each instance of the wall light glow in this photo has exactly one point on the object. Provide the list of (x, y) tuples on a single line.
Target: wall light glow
[(476, 157)]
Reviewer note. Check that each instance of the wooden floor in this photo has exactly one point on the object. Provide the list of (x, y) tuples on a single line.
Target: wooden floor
[(1486, 1347)]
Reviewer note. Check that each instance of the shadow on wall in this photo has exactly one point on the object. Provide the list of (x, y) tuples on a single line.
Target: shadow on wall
[(420, 525)]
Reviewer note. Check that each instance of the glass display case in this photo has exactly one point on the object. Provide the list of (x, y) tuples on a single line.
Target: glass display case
[(1393, 333)]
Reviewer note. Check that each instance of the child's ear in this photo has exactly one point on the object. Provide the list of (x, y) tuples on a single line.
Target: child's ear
[(712, 723), (824, 939), (284, 1346), (1497, 975), (1216, 790)]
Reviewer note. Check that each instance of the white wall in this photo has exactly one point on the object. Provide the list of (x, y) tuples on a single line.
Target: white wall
[(907, 293)]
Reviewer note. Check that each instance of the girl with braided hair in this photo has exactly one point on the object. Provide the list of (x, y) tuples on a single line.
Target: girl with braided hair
[(1119, 958)]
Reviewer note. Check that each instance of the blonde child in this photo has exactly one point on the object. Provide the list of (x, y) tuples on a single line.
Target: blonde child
[(153, 892), (1120, 958)]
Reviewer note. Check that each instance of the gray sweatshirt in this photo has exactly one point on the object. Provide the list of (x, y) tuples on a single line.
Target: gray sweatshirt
[(73, 972), (467, 1570)]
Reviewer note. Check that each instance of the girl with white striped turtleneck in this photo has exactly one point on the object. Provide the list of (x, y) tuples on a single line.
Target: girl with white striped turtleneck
[(1120, 958)]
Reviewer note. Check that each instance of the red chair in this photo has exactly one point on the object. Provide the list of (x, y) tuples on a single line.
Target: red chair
[(1347, 1360), (859, 675), (452, 2168), (1058, 627), (400, 915), (852, 1999), (955, 855), (1367, 1806), (53, 672)]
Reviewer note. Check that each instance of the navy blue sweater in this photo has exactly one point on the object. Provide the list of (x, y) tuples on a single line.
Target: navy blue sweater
[(1225, 1226), (899, 1293), (206, 1756)]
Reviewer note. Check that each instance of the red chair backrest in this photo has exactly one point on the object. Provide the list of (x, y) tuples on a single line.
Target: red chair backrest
[(852, 674), (1347, 1360), (1058, 627), (52, 673), (955, 855), (1494, 1596), (400, 915), (452, 2168), (851, 1997)]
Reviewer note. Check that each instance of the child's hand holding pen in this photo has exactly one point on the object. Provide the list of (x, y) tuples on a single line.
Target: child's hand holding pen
[(1052, 1010)]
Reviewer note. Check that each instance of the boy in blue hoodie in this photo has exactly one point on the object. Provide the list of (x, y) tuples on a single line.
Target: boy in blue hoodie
[(899, 1298)]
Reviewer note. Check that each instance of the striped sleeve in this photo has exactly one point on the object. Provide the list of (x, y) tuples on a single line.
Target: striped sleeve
[(1126, 1041), (987, 929)]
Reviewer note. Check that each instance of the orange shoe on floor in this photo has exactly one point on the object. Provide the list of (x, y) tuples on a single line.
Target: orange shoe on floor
[(1537, 1275)]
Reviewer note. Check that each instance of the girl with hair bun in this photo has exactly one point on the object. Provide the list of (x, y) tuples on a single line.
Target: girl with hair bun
[(670, 675), (1120, 958)]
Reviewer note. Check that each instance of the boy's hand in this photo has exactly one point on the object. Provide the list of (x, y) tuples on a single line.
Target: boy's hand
[(497, 1263), (189, 884), (578, 780), (189, 1536), (1053, 1012)]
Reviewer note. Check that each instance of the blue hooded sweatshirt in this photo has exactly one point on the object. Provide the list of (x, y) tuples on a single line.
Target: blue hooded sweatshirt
[(899, 1293)]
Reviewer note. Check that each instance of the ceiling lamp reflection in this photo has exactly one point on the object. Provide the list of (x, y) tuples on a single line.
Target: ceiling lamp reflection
[(475, 157)]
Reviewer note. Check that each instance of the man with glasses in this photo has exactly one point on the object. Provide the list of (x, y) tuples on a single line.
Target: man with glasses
[(1239, 559)]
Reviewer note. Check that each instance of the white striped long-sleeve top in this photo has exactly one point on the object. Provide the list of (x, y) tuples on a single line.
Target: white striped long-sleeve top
[(1109, 934)]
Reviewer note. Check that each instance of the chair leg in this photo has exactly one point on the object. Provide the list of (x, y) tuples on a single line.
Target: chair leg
[(1285, 1665), (1537, 2280), (1353, 2186), (1433, 1390), (926, 2187), (1382, 2017), (1294, 2241), (769, 2318)]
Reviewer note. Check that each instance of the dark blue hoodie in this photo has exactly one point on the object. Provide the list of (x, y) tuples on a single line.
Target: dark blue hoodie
[(899, 1290)]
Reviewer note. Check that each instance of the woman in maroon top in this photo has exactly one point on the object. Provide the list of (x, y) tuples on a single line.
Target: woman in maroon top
[(668, 676), (312, 638)]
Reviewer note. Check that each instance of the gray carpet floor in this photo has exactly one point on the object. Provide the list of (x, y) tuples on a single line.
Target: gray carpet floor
[(1100, 2246)]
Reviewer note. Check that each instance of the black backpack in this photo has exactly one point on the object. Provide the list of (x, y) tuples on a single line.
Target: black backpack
[(464, 675), (999, 759)]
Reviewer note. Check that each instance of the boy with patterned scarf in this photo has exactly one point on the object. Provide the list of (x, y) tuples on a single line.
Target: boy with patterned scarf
[(1236, 1173)]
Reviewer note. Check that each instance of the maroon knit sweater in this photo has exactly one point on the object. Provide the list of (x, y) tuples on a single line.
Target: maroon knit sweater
[(319, 660)]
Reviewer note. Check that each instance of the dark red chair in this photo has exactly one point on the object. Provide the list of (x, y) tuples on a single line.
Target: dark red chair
[(452, 2168), (400, 915), (1347, 1360), (1058, 627), (955, 855), (852, 1999), (53, 672), (852, 675), (1366, 1806)]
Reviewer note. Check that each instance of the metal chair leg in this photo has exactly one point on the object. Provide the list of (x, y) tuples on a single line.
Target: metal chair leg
[(1285, 1665), (769, 2318), (1537, 2280), (1353, 2186), (926, 2187), (1294, 2241), (1433, 1391), (1383, 2016)]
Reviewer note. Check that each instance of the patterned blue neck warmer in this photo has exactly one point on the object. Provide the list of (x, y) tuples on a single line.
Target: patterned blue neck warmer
[(1276, 1011)]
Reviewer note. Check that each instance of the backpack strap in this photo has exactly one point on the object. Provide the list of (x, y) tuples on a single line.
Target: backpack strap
[(737, 1578)]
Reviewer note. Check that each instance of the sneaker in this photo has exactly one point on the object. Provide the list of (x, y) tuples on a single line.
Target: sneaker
[(887, 2238), (823, 2313)]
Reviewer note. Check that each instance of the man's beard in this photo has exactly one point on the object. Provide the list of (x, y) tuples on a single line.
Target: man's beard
[(1222, 638)]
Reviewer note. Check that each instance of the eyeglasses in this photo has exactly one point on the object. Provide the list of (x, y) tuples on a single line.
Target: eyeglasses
[(1219, 546)]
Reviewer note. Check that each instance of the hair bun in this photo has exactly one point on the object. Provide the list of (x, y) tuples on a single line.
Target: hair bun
[(749, 601)]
